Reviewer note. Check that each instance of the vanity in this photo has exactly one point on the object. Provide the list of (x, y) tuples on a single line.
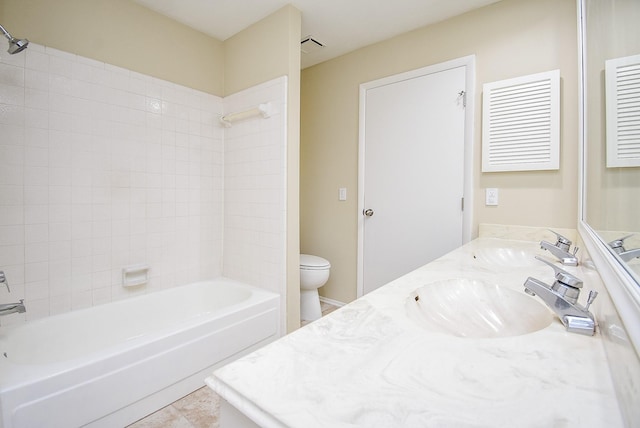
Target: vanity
[(382, 361)]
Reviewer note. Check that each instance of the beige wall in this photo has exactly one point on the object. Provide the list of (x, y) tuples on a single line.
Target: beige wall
[(265, 50), (510, 38), (122, 33)]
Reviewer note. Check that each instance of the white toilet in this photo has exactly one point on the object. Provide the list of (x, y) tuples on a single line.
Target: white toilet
[(314, 273)]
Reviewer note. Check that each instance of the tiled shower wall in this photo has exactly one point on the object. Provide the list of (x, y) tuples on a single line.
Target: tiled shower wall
[(255, 183), (101, 168)]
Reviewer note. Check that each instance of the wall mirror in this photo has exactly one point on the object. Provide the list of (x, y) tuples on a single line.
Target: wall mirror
[(610, 40)]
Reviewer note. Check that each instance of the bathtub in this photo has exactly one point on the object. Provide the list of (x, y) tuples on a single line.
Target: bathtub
[(112, 364)]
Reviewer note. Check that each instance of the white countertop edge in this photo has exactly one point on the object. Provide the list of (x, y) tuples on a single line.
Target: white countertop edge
[(248, 408)]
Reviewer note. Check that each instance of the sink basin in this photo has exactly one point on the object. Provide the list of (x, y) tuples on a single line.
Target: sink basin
[(470, 308), (506, 257)]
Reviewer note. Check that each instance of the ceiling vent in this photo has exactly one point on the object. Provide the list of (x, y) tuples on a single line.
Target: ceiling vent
[(309, 45)]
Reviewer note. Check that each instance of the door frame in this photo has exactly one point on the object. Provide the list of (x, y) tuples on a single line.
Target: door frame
[(470, 81)]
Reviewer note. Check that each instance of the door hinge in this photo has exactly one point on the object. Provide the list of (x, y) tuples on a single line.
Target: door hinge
[(462, 203)]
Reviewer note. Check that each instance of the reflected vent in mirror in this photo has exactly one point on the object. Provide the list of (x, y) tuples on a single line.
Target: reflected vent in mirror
[(622, 80)]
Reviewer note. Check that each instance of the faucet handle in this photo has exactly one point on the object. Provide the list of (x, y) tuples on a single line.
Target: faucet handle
[(3, 280), (563, 276), (561, 241), (592, 296)]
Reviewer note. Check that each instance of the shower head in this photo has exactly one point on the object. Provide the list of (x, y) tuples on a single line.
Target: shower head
[(15, 45)]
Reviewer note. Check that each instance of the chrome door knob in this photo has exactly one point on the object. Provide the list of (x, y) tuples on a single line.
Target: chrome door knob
[(368, 212)]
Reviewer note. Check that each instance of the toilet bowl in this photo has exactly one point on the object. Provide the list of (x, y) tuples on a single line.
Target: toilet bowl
[(314, 273)]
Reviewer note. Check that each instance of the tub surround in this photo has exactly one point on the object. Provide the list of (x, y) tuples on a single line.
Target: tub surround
[(368, 364), (103, 168)]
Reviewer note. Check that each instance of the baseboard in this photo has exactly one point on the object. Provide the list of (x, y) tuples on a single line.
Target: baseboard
[(331, 301)]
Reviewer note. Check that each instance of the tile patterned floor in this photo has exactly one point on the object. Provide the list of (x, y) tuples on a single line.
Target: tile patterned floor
[(201, 408)]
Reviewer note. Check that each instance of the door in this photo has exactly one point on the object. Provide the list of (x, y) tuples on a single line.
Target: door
[(412, 173)]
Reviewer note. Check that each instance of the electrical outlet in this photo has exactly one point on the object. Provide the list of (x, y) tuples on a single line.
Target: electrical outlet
[(491, 196)]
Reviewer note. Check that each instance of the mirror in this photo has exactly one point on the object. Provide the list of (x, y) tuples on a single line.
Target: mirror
[(611, 73)]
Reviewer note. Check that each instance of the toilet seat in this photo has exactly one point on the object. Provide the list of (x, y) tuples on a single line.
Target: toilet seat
[(309, 262)]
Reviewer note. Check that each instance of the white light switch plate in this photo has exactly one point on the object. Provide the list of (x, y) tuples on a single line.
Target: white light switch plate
[(342, 194), (491, 196)]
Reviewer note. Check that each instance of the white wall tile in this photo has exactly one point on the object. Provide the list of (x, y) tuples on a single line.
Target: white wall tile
[(36, 59), (253, 154), (12, 95), (60, 268), (11, 75), (11, 215), (111, 167), (34, 214), (36, 233), (36, 98), (36, 271), (60, 251)]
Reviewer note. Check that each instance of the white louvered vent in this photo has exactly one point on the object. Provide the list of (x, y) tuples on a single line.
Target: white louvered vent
[(521, 123), (622, 77)]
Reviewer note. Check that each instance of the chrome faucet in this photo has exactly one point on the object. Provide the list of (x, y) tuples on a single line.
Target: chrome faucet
[(618, 246), (561, 250), (562, 298), (12, 308)]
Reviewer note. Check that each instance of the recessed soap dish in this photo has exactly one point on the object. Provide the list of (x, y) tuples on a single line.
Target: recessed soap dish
[(135, 275)]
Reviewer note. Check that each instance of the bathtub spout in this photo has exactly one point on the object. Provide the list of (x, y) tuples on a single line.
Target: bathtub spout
[(12, 308)]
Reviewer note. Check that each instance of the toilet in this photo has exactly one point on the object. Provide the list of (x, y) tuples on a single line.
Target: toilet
[(314, 273)]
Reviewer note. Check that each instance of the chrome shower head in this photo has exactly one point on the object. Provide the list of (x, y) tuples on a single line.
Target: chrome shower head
[(15, 45)]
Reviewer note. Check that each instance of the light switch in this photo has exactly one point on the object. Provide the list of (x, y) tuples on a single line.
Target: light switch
[(342, 194), (491, 196)]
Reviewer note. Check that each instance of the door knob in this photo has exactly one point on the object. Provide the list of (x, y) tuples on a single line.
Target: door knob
[(368, 212)]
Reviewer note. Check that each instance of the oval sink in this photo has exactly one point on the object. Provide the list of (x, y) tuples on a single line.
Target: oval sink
[(506, 257), (470, 308)]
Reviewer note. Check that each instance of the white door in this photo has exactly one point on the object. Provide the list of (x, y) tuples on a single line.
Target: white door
[(413, 181)]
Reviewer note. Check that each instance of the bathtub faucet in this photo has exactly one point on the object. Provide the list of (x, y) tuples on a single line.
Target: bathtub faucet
[(12, 308)]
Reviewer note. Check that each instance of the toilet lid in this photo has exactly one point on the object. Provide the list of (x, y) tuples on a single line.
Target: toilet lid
[(307, 261)]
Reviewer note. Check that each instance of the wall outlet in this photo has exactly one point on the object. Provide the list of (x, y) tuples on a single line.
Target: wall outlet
[(491, 196)]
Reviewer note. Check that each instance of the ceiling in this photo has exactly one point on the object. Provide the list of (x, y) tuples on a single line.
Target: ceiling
[(341, 25)]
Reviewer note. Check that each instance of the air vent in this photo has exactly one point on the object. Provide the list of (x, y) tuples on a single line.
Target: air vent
[(521, 123), (309, 45), (622, 79)]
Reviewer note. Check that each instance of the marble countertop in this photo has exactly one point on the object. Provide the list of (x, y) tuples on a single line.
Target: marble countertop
[(369, 364)]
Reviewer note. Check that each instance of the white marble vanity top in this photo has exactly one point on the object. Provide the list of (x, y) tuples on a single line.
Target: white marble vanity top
[(369, 365)]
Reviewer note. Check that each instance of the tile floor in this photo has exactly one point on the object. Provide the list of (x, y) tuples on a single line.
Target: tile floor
[(197, 410), (201, 408)]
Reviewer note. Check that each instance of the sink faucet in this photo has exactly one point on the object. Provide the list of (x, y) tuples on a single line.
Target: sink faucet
[(12, 308), (618, 246), (562, 298), (561, 250)]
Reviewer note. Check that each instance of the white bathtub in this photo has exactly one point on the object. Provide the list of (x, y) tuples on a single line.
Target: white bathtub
[(112, 364)]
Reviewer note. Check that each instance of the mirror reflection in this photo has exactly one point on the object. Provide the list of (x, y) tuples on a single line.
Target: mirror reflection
[(612, 125)]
